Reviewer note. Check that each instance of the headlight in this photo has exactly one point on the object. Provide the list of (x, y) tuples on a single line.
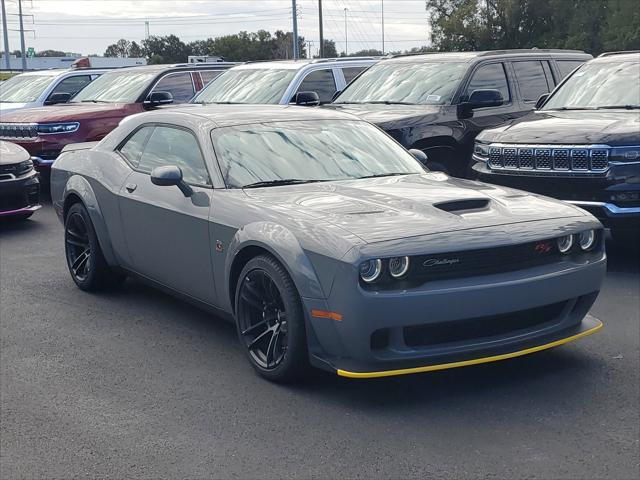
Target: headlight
[(587, 240), (481, 150), (625, 154), (398, 266), (565, 243), (51, 128), (24, 167), (370, 270)]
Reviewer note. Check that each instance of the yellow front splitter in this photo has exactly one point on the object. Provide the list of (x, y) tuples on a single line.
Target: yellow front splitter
[(475, 361)]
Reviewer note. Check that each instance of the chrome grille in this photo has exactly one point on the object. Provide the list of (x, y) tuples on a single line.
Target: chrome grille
[(577, 159), (18, 131)]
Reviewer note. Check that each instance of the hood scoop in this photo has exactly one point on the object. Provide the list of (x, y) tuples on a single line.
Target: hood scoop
[(463, 206)]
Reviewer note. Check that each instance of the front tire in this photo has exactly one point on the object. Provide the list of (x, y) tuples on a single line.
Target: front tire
[(85, 260), (270, 320)]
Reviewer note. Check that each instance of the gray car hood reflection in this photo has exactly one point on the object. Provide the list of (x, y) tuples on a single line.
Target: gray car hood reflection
[(389, 208)]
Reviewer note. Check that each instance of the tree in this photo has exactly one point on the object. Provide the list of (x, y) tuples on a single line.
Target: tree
[(371, 52), (169, 48), (135, 51), (51, 53), (329, 47), (119, 49)]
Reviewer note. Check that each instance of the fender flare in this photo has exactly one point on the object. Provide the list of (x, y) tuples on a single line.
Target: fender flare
[(278, 241), (79, 186)]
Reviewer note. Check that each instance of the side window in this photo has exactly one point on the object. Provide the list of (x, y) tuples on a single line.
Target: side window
[(321, 82), (351, 72), (175, 146), (531, 79), (132, 148), (177, 84), (492, 77), (72, 85), (567, 66), (208, 75)]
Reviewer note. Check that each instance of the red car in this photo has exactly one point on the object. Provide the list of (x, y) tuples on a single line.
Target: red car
[(98, 109)]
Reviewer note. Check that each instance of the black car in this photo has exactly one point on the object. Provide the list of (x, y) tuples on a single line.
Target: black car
[(582, 145), (439, 102), (19, 185)]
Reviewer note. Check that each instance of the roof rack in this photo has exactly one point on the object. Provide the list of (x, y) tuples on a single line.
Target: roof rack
[(206, 64), (526, 50), (620, 52), (346, 59)]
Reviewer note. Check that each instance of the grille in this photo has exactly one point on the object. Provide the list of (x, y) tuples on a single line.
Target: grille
[(574, 159), (12, 202), (18, 130)]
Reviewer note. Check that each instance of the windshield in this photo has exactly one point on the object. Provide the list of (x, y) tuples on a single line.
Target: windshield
[(411, 83), (599, 85), (116, 87), (24, 88), (257, 86), (318, 150)]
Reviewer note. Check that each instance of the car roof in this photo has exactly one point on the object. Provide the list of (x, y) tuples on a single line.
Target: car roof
[(229, 115), (175, 67), (613, 57), (303, 62), (469, 57), (54, 72)]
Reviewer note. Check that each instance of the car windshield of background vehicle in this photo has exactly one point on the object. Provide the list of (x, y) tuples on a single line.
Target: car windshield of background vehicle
[(308, 151), (24, 88), (116, 87), (599, 85), (257, 86), (410, 83)]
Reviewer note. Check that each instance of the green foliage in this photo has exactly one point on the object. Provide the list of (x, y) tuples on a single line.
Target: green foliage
[(330, 50), (590, 25), (51, 53)]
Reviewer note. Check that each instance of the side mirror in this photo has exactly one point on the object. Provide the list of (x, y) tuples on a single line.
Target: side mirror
[(542, 100), (60, 97), (170, 176), (419, 155), (159, 98), (486, 98), (306, 99), (336, 95)]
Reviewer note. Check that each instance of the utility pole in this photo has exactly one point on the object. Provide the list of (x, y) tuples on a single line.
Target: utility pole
[(22, 49), (382, 3), (346, 34), (146, 29), (7, 63), (296, 47), (321, 53)]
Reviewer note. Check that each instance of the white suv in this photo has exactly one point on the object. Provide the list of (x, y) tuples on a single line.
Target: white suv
[(44, 87), (276, 82)]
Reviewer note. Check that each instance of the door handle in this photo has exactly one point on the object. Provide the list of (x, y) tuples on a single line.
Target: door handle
[(130, 187)]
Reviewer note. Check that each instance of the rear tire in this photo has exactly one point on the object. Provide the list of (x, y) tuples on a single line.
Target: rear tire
[(270, 320), (85, 260)]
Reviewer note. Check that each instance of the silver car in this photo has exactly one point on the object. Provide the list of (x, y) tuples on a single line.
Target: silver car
[(326, 242)]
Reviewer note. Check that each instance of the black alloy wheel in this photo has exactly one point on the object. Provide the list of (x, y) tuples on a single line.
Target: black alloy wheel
[(270, 320)]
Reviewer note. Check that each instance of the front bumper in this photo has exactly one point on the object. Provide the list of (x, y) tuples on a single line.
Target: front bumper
[(19, 196), (453, 323), (601, 195)]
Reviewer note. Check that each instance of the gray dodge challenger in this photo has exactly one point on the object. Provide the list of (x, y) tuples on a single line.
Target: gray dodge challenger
[(326, 242)]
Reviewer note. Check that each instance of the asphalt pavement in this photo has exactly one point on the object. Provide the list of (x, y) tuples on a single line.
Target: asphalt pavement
[(134, 383)]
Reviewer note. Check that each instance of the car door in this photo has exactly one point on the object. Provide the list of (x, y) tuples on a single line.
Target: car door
[(178, 84), (322, 82), (166, 232), (71, 85)]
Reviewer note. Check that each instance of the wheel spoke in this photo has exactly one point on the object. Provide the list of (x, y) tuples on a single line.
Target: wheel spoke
[(81, 262), (256, 340), (253, 328), (251, 300), (76, 242), (77, 235), (272, 346)]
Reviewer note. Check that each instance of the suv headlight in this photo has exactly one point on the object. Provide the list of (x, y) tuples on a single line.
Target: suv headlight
[(625, 154), (481, 151), (52, 128), (24, 167)]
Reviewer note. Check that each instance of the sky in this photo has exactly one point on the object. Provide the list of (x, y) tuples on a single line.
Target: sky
[(89, 26)]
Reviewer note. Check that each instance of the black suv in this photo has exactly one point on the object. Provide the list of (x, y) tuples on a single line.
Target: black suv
[(582, 145), (439, 102)]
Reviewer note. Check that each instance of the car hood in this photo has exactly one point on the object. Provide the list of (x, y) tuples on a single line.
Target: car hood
[(65, 112), (389, 208), (610, 127), (386, 116), (6, 107)]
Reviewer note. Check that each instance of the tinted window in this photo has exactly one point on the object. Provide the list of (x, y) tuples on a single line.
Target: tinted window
[(321, 82), (174, 146), (133, 147), (491, 77), (208, 75), (247, 85), (177, 84), (531, 79), (567, 66), (351, 72), (72, 85)]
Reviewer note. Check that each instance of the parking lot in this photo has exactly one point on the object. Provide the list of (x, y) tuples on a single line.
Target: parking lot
[(136, 383)]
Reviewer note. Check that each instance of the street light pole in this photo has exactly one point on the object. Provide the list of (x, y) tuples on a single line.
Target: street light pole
[(321, 53), (22, 49), (296, 54), (5, 32), (382, 3), (346, 34)]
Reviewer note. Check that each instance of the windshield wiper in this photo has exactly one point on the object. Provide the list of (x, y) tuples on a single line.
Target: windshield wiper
[(388, 102), (623, 107), (283, 181), (92, 101), (573, 108), (394, 174)]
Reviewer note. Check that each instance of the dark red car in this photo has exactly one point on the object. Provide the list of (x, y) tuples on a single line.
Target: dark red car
[(98, 108)]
